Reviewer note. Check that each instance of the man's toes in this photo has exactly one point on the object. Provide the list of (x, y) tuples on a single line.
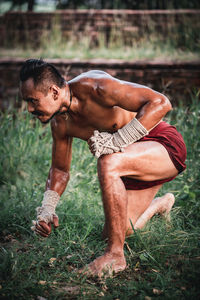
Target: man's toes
[(169, 202), (87, 271), (92, 270)]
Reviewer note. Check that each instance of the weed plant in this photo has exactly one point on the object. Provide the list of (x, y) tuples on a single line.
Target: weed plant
[(176, 42), (163, 258), (152, 49)]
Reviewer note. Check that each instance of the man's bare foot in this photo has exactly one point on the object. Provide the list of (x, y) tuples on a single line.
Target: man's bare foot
[(161, 205), (105, 265)]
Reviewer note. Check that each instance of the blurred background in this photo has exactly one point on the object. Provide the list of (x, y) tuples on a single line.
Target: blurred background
[(156, 43), (35, 5)]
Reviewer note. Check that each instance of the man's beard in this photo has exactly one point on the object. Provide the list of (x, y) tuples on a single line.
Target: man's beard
[(37, 113), (55, 114)]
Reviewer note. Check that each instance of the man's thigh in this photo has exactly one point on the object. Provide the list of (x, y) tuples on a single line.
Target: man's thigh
[(146, 161)]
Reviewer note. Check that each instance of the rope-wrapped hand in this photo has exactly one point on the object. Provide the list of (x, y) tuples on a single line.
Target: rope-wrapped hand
[(107, 143), (46, 214)]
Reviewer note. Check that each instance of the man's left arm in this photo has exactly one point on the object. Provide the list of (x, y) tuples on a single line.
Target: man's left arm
[(149, 105)]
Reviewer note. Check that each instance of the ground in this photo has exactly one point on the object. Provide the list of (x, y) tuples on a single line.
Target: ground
[(162, 259)]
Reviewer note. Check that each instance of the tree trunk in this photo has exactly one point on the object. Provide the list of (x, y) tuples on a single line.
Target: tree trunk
[(31, 4)]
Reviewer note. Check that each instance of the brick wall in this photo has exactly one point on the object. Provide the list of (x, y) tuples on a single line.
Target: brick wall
[(173, 79), (25, 27)]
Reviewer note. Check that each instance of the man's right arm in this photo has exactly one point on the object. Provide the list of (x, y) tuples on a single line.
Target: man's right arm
[(57, 180), (61, 159)]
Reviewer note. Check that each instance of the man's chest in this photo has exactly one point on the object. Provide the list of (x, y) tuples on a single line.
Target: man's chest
[(91, 116), (94, 117)]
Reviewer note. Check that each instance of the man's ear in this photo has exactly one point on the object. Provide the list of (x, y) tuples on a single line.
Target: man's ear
[(55, 91)]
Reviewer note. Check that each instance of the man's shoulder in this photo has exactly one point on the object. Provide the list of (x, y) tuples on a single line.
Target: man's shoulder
[(97, 74), (59, 126), (91, 75)]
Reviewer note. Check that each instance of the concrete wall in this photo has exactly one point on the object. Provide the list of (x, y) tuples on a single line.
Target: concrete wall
[(173, 79)]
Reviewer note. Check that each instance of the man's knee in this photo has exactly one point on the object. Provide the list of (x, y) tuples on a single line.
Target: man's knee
[(108, 166)]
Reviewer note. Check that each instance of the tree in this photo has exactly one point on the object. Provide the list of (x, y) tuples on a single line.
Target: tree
[(19, 3)]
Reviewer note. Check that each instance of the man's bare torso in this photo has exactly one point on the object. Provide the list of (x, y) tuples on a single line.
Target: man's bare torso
[(92, 109), (101, 102)]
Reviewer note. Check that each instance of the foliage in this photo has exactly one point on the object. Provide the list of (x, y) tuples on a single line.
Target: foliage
[(175, 40), (181, 43), (113, 4), (158, 51), (128, 4), (163, 259), (20, 3)]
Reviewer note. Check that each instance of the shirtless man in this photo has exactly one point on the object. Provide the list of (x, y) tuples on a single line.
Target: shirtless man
[(122, 123)]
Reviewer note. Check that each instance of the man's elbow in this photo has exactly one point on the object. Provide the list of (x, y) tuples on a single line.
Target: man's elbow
[(66, 176), (167, 104), (60, 175), (163, 104)]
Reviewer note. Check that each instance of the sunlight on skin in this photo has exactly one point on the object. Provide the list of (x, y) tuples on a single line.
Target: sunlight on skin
[(97, 101)]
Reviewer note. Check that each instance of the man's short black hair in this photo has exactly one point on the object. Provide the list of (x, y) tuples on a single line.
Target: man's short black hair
[(42, 73)]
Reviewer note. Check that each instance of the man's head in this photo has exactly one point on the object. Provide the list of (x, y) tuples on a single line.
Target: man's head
[(42, 87)]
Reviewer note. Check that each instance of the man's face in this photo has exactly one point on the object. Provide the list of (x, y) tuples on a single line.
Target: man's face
[(44, 107)]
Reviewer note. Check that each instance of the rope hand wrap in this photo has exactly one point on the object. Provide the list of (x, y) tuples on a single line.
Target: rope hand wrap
[(107, 143), (47, 211)]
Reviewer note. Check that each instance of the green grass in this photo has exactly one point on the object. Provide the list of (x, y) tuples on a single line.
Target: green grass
[(70, 50), (181, 43), (163, 259)]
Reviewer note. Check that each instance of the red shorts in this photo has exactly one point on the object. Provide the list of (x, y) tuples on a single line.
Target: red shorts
[(173, 142)]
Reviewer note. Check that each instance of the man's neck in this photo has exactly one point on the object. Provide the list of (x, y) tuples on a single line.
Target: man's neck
[(66, 99)]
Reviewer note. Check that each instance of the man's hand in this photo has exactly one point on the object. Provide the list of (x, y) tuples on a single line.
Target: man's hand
[(102, 143), (44, 229), (106, 143), (46, 214)]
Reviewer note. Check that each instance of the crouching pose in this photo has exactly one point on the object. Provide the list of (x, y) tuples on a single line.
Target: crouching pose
[(122, 123)]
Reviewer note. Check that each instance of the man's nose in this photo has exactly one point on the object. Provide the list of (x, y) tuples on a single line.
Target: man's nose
[(30, 108)]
